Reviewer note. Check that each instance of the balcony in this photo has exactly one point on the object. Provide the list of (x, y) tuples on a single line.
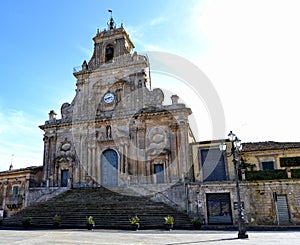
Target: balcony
[(14, 202)]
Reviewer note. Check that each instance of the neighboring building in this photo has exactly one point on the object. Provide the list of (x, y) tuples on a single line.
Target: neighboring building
[(272, 155), (269, 183), (274, 181), (15, 185)]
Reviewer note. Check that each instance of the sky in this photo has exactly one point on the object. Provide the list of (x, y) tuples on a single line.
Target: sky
[(248, 49)]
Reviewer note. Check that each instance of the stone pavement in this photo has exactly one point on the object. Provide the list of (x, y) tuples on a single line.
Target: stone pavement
[(153, 237)]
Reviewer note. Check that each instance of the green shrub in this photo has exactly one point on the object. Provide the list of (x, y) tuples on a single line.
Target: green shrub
[(266, 175), (295, 173), (169, 220), (289, 161), (196, 221), (90, 220), (26, 222), (56, 219), (134, 220)]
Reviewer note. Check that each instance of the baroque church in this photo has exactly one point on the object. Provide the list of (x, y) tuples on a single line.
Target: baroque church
[(116, 131)]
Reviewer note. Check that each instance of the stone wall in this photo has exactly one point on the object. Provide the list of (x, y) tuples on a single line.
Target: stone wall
[(43, 194), (258, 198)]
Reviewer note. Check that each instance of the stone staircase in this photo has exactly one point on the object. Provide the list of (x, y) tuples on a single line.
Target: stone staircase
[(110, 210)]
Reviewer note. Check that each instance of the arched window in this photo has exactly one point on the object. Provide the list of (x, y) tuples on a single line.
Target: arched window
[(109, 52)]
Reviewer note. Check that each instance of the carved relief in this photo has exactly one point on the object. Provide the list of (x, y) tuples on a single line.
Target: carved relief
[(155, 98), (65, 152), (121, 137), (66, 111), (100, 135), (157, 141), (65, 147)]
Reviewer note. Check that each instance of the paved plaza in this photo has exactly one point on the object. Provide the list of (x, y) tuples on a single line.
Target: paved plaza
[(153, 237)]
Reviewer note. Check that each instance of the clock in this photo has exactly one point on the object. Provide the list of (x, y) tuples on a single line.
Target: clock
[(108, 98)]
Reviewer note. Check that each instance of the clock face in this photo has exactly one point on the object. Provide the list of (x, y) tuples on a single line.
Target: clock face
[(109, 98)]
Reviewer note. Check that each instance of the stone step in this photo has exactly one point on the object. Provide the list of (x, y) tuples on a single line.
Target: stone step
[(110, 209)]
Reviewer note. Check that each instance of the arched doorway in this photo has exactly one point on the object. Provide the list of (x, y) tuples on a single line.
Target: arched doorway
[(109, 168)]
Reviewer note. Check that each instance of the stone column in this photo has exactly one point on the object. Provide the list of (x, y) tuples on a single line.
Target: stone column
[(122, 157), (26, 191), (148, 171), (82, 166), (183, 144), (174, 167), (126, 161), (167, 170), (57, 174), (51, 160), (243, 172), (88, 160), (94, 163), (133, 155), (84, 157), (46, 158), (4, 194), (141, 168), (289, 172)]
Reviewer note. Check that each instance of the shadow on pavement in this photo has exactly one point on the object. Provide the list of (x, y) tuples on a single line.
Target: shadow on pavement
[(203, 241)]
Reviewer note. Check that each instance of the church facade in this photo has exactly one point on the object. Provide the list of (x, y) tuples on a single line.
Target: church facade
[(116, 131)]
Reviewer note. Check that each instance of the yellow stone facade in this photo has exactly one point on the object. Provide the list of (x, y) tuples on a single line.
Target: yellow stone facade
[(268, 198), (116, 131), (15, 185)]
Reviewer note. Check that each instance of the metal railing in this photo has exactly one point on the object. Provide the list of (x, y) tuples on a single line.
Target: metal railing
[(77, 69), (14, 202)]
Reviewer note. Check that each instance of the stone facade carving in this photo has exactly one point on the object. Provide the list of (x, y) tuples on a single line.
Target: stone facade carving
[(115, 114), (66, 111)]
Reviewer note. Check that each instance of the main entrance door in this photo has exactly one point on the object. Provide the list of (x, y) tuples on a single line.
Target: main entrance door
[(64, 178), (109, 168), (159, 171)]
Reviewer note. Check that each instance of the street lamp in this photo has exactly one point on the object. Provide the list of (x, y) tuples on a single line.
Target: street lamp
[(236, 147)]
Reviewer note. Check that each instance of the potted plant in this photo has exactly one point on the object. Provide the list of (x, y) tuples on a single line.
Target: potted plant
[(169, 222), (56, 221), (26, 222), (90, 222), (135, 222), (196, 222)]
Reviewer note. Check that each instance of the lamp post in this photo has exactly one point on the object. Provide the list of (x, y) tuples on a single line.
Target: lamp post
[(236, 147)]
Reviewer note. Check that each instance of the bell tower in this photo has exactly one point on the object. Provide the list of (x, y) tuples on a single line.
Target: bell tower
[(109, 44)]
